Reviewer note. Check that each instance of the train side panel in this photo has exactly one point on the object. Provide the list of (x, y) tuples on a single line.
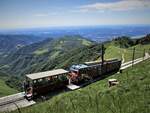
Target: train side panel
[(98, 70)]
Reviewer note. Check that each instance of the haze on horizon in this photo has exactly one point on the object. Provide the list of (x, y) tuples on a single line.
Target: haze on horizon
[(48, 13)]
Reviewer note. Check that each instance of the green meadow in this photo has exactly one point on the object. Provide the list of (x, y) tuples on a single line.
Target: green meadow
[(130, 96)]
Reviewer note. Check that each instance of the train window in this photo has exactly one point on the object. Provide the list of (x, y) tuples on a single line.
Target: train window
[(49, 78), (34, 81), (75, 72), (63, 77), (45, 80), (60, 76), (55, 77), (39, 80)]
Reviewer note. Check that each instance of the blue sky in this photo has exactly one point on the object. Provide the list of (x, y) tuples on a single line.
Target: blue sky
[(47, 13)]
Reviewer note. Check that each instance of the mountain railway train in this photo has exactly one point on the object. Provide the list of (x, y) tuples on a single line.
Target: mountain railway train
[(44, 82)]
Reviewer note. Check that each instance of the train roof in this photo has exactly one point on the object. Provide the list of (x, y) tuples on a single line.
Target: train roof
[(77, 67), (45, 74), (92, 62), (99, 61)]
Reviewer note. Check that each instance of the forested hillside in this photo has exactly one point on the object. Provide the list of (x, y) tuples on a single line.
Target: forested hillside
[(10, 43), (45, 55)]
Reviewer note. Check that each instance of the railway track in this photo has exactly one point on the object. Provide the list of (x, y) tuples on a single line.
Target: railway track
[(15, 101), (11, 101), (11, 98)]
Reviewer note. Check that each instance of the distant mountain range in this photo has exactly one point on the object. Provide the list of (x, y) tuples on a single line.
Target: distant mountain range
[(10, 43), (96, 33)]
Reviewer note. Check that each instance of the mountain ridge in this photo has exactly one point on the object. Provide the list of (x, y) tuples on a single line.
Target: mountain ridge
[(11, 43), (41, 52)]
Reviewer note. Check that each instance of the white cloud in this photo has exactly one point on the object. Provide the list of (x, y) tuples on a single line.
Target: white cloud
[(122, 5), (47, 14)]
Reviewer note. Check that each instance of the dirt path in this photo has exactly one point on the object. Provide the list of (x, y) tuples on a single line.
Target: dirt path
[(129, 64)]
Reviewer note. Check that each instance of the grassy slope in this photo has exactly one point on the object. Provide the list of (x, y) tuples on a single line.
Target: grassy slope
[(4, 89), (116, 52), (130, 96)]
